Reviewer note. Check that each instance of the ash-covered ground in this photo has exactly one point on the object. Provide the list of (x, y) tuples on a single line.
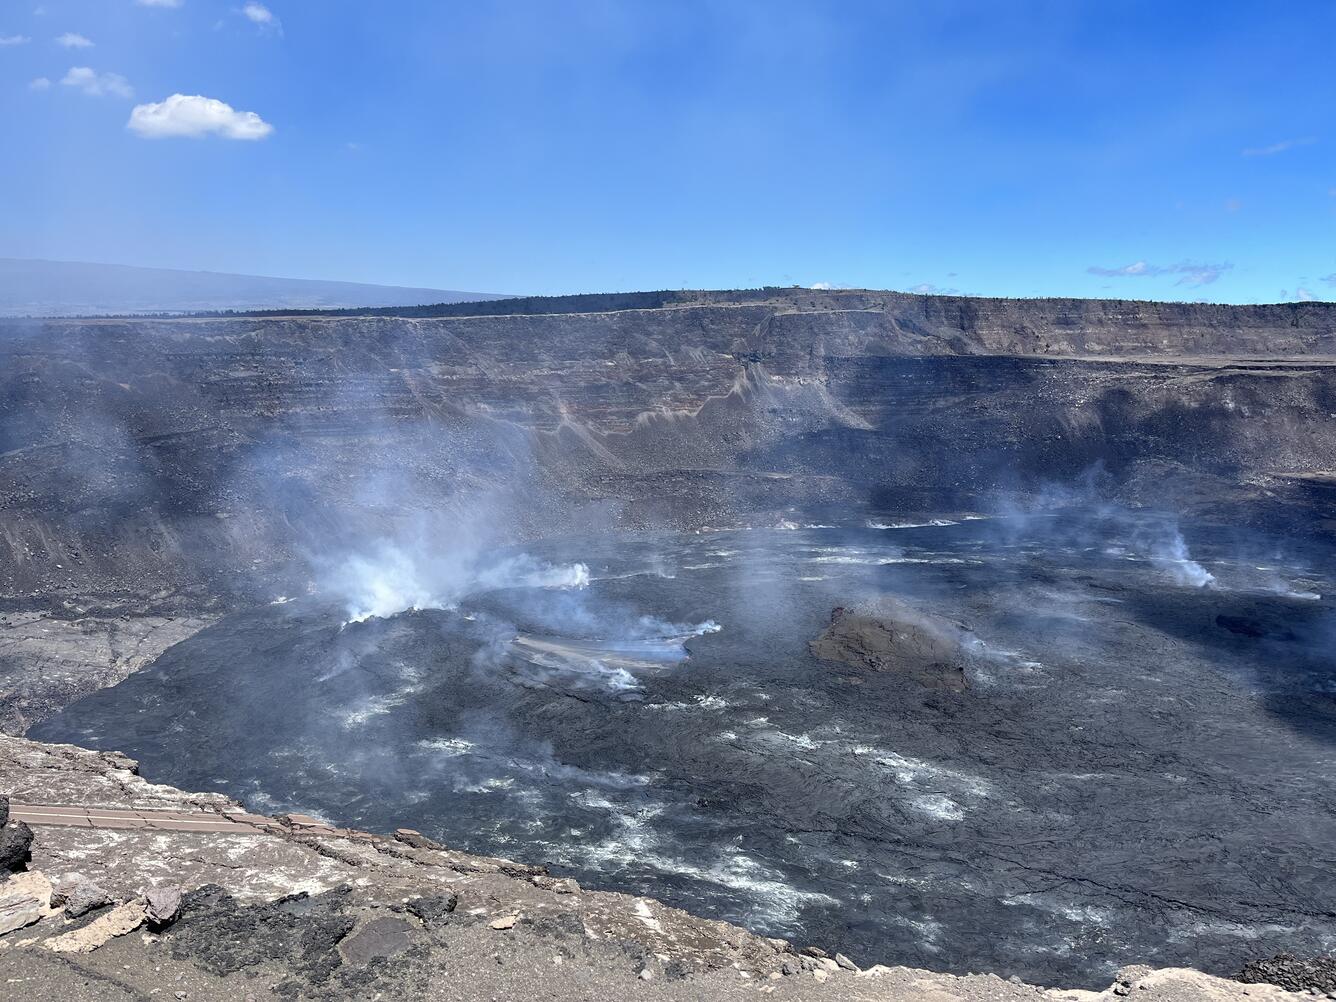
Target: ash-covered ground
[(1137, 768)]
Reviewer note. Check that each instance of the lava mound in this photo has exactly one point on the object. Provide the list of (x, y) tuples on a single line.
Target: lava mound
[(896, 638)]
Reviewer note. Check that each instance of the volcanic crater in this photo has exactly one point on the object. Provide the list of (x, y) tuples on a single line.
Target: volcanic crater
[(955, 633)]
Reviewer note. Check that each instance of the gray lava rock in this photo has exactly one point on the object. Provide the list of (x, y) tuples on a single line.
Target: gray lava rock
[(82, 897), (164, 905), (845, 962), (15, 844)]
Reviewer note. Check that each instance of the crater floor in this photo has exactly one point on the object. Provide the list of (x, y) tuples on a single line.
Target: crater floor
[(1138, 767)]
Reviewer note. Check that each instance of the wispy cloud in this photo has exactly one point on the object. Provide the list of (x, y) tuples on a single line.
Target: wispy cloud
[(1300, 294), (1281, 147), (194, 117), (1199, 274), (95, 84), (1330, 279), (6, 40), (73, 40), (1188, 272), (1135, 268), (40, 83), (259, 14)]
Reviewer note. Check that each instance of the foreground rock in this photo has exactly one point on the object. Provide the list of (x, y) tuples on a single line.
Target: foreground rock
[(24, 899), (81, 896), (15, 840), (119, 921), (298, 909)]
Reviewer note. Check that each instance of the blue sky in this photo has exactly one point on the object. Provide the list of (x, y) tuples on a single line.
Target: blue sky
[(1138, 150)]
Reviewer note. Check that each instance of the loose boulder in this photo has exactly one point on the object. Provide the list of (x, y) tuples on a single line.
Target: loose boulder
[(162, 905), (15, 846), (82, 896)]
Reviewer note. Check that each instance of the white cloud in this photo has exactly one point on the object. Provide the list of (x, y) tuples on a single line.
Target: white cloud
[(193, 116), (258, 13), (159, 3), (73, 40), (1188, 273), (1280, 147), (14, 40), (96, 84), (40, 83)]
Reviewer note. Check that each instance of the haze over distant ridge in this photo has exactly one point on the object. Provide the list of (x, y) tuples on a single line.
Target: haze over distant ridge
[(30, 287)]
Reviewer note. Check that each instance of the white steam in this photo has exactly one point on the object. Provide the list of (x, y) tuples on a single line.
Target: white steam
[(383, 584), (1170, 554), (390, 579)]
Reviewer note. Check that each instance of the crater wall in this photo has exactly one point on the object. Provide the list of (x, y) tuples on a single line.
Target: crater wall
[(144, 454)]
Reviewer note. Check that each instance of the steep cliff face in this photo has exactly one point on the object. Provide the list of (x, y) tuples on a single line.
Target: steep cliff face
[(157, 453)]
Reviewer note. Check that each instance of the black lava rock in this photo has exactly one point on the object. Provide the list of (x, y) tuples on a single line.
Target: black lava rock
[(434, 910), (15, 845), (222, 936), (1292, 973)]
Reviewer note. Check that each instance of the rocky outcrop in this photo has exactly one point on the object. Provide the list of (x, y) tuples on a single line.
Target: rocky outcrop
[(1298, 974), (927, 649)]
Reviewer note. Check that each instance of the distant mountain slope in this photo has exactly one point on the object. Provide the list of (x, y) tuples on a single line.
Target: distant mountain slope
[(63, 288)]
